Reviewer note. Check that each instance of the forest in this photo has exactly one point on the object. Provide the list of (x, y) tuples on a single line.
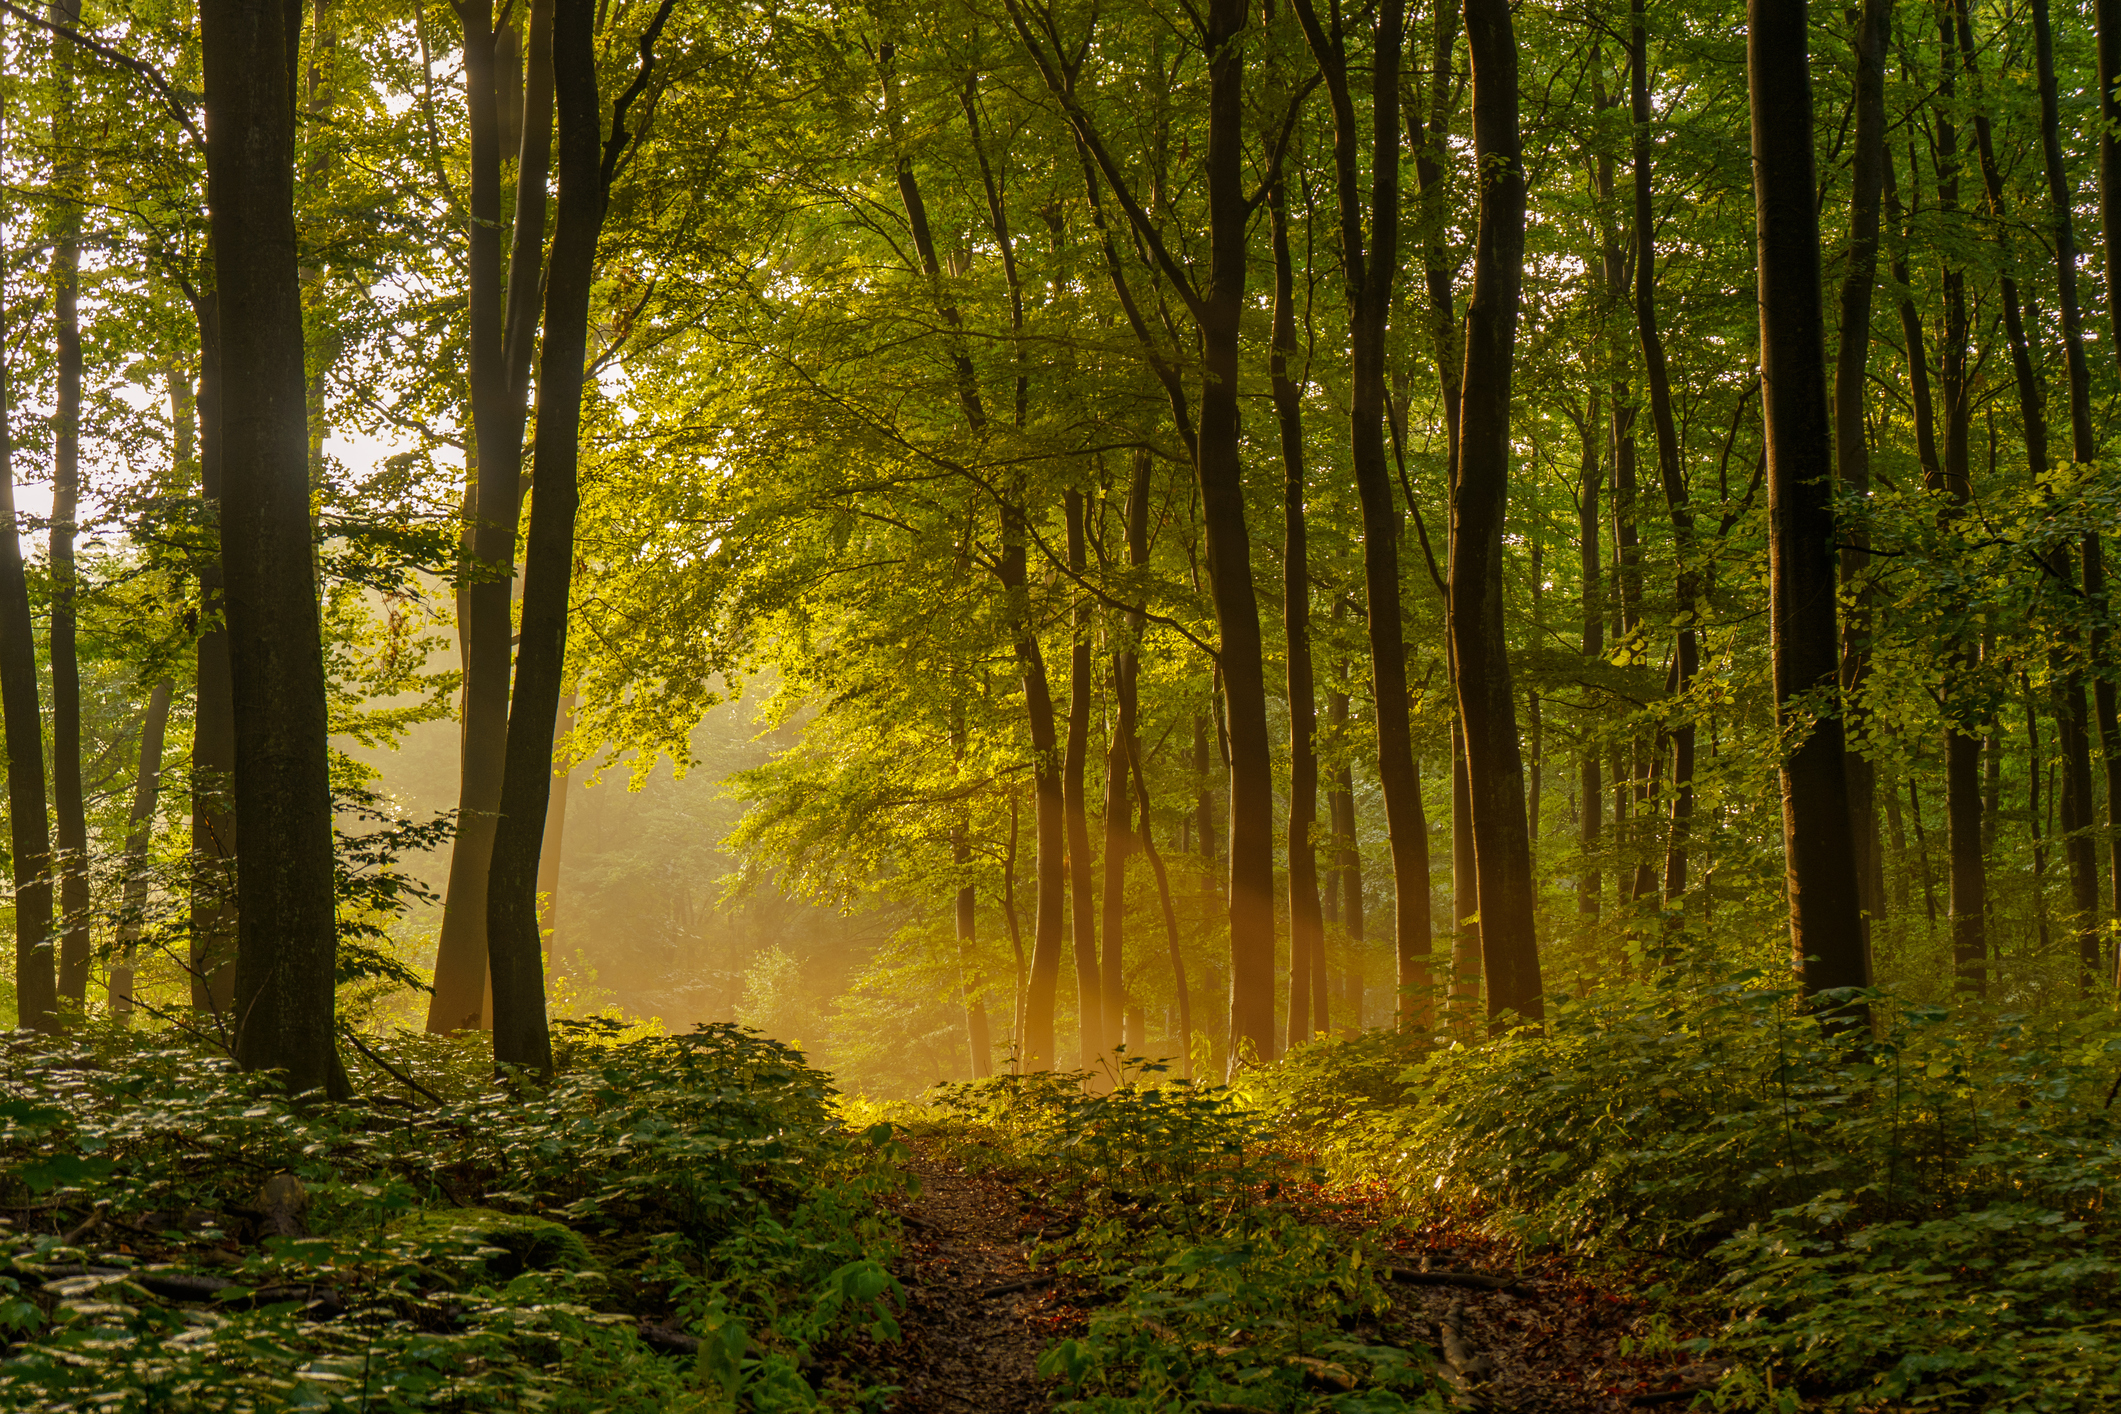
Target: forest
[(1125, 706)]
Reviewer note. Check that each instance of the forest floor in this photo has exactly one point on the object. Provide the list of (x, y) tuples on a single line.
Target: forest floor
[(1548, 1338)]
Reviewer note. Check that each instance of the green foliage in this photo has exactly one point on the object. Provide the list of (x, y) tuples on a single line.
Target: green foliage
[(471, 1247), (1917, 1217), (1207, 1283)]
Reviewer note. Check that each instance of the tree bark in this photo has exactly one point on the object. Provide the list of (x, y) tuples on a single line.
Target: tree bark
[(1347, 848), (1852, 454), (1367, 279), (1049, 817), (1659, 379), (213, 750), (1465, 887), (462, 966), (68, 809), (2107, 17), (1306, 920), (520, 1033), (154, 725), (1826, 909), (1126, 670), (285, 927), (1591, 822), (1486, 704), (1082, 872), (36, 972), (549, 849)]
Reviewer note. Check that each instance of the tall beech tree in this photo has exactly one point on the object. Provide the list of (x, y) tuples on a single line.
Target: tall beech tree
[(62, 643), (284, 885), (1487, 705), (1825, 899)]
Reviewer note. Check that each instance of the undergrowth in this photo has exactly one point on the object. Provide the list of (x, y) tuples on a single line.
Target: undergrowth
[(448, 1243), (1915, 1219), (1205, 1286)]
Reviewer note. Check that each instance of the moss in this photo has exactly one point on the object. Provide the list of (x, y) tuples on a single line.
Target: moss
[(521, 1243)]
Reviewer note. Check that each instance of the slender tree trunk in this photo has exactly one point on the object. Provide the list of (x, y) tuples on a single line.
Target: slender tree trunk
[(520, 1033), (213, 752), (1306, 921), (2033, 767), (1347, 848), (1851, 447), (2107, 16), (285, 927), (1049, 817), (1126, 667), (1367, 276), (1219, 470), (461, 963), (1163, 897), (36, 973), (68, 807), (1082, 871), (555, 837), (1465, 888), (1591, 822), (140, 821), (1487, 706), (1668, 468), (1826, 907)]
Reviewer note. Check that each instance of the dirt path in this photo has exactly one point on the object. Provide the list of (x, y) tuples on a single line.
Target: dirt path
[(973, 1330)]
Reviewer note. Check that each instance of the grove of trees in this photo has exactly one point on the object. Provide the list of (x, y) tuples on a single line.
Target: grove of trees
[(1241, 508)]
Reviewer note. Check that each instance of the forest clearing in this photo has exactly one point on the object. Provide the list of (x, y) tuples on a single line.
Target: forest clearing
[(1128, 706)]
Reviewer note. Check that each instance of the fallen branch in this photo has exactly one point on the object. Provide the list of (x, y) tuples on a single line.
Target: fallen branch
[(1012, 1287), (668, 1340), (1462, 1369)]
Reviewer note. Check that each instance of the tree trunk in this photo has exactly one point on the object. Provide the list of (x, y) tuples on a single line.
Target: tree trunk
[(1659, 379), (1592, 821), (2107, 15), (68, 808), (462, 966), (1037, 1051), (1126, 668), (1465, 888), (1367, 278), (36, 975), (1082, 871), (555, 838), (520, 1033), (1163, 898), (1852, 454), (285, 926), (1347, 848), (140, 832), (1306, 921), (213, 751), (1826, 909)]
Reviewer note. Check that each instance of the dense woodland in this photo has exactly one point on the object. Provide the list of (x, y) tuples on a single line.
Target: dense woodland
[(1498, 612)]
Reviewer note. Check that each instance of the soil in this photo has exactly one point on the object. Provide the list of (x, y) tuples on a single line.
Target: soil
[(977, 1319), (972, 1344)]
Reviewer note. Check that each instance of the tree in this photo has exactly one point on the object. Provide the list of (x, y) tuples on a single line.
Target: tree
[(1826, 906), (1486, 704), (285, 948)]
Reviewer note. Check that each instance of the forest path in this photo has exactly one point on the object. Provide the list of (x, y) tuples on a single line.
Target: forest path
[(973, 1328)]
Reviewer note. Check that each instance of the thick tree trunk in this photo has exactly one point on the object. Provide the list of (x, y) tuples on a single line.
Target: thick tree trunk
[(285, 928), (1852, 454), (68, 808), (1826, 908), (1487, 706), (520, 1033), (140, 823), (461, 962)]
